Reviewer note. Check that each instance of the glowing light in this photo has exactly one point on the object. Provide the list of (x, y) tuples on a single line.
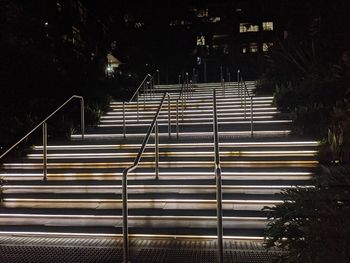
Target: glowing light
[(184, 145)]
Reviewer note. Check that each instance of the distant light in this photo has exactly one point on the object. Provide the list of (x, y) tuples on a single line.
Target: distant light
[(46, 24), (109, 68)]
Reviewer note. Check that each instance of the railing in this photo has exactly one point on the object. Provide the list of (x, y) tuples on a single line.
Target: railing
[(136, 93), (243, 92), (147, 85), (154, 125), (218, 182), (44, 131)]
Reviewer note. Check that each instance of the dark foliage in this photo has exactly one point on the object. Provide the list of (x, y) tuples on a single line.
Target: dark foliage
[(313, 224)]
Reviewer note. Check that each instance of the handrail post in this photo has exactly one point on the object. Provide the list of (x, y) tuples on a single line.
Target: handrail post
[(186, 89), (182, 107), (124, 121), (245, 105), (44, 151), (221, 76), (190, 89), (158, 77), (177, 118), (137, 106), (82, 118), (251, 117), (156, 143), (179, 79), (148, 87), (169, 116), (219, 216), (125, 216), (144, 96), (223, 87), (238, 84)]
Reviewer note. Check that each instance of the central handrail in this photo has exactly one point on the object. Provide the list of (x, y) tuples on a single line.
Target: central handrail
[(246, 92), (218, 181), (136, 92), (153, 125), (243, 81)]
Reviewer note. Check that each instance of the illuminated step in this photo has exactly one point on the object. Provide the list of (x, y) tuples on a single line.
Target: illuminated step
[(221, 92), (248, 189), (186, 134), (198, 90), (113, 115), (184, 145), (198, 108), (133, 221), (234, 100), (195, 97), (194, 102), (163, 164), (177, 153), (115, 203), (111, 119), (165, 123), (295, 175)]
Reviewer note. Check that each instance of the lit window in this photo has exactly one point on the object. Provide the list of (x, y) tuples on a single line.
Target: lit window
[(215, 19), (248, 27), (267, 26), (266, 46), (200, 41), (179, 23), (139, 24), (202, 12), (253, 47)]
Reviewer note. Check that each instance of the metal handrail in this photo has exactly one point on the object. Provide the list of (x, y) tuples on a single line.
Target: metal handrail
[(134, 166), (44, 125), (246, 91), (218, 182), (137, 91), (181, 97), (158, 77), (243, 81)]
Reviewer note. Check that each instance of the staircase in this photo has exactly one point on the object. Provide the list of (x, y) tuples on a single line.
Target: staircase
[(82, 194)]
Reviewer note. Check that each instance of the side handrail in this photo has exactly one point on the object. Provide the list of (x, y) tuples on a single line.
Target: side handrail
[(240, 81), (153, 125), (218, 181), (44, 125), (141, 85), (48, 117)]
